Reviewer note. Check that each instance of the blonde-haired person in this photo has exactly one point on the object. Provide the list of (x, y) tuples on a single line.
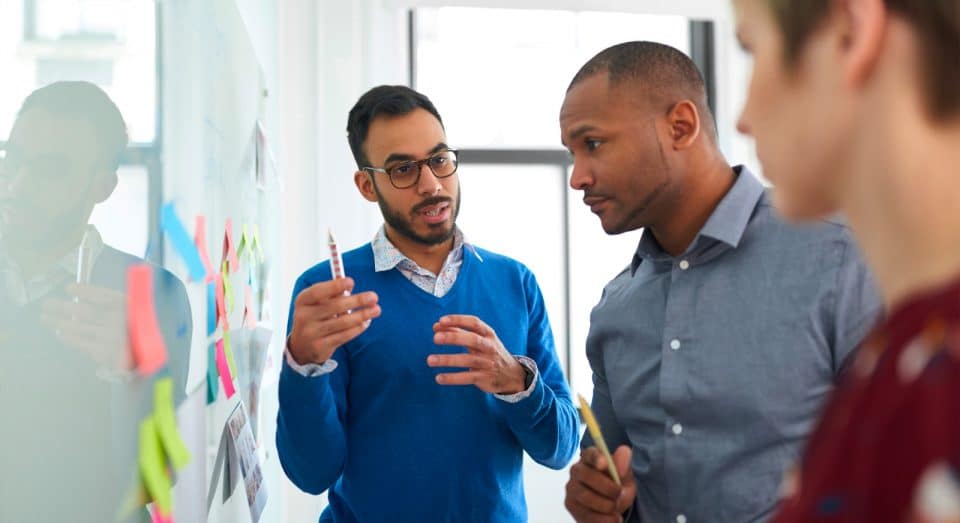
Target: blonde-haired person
[(865, 92)]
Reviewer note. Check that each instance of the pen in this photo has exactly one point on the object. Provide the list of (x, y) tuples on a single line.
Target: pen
[(336, 261), (597, 436)]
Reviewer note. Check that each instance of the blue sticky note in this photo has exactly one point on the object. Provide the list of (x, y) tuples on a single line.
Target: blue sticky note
[(211, 308), (213, 386), (182, 242)]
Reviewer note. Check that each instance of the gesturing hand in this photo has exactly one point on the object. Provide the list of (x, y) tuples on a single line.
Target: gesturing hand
[(490, 367)]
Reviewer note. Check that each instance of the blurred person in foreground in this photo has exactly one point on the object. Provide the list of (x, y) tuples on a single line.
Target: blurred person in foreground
[(866, 93)]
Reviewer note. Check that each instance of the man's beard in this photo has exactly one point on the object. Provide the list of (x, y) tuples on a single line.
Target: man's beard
[(402, 224)]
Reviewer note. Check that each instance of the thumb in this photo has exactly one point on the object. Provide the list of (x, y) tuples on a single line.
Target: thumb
[(621, 459)]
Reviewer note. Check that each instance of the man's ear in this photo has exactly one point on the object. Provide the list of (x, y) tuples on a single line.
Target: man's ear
[(104, 184), (863, 25), (364, 182), (683, 120)]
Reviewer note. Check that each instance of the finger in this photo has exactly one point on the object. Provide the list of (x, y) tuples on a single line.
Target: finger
[(593, 502), (468, 361), (459, 378), (330, 326), (470, 323), (335, 306), (621, 459), (323, 291), (344, 336), (469, 340), (628, 493), (598, 480), (95, 295)]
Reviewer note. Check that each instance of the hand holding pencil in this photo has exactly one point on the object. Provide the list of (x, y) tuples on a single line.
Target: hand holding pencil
[(601, 486), (326, 315)]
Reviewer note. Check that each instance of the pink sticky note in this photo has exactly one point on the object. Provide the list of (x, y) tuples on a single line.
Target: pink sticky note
[(200, 238), (229, 249), (146, 342), (225, 378), (157, 516)]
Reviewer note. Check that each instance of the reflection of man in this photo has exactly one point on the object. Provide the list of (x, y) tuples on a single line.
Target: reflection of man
[(70, 400), (361, 410), (714, 349)]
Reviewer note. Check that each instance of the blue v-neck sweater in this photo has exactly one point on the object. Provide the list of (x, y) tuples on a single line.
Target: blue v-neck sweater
[(389, 442)]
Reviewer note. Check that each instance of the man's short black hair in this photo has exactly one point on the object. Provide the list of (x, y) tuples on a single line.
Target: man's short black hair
[(89, 104), (384, 100), (665, 75)]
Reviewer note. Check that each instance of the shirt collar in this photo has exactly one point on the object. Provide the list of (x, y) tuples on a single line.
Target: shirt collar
[(68, 262), (726, 224), (386, 255)]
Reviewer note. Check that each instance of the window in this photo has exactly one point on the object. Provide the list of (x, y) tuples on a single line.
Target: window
[(498, 78)]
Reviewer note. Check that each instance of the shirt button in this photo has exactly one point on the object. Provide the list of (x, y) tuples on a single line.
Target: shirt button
[(677, 429), (684, 265), (681, 518), (675, 344)]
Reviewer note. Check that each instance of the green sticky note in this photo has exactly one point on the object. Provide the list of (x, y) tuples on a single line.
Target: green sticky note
[(153, 468), (229, 352), (166, 421), (213, 387)]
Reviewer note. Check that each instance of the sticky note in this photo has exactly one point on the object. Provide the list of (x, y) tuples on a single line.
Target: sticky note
[(182, 242), (146, 342), (211, 307), (166, 421), (158, 517), (153, 469), (228, 288), (226, 378), (229, 250), (597, 436), (221, 305), (213, 388), (200, 239), (228, 350), (245, 243)]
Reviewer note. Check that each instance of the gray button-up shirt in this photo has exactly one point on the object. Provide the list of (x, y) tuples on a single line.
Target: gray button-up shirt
[(714, 364)]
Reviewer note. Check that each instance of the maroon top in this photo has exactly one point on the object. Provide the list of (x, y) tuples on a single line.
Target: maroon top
[(887, 448)]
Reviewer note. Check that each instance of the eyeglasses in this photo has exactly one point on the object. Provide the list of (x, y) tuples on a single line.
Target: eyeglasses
[(407, 174)]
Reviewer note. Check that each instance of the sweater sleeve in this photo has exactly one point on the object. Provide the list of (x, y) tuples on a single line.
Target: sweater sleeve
[(546, 422), (311, 440)]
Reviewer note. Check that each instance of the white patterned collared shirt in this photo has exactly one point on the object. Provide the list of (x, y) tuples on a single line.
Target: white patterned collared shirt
[(386, 256)]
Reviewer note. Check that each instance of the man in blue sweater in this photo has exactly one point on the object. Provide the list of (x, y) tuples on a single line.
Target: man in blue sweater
[(412, 388)]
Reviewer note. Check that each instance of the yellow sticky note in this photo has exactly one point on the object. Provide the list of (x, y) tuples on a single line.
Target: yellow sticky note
[(153, 467), (166, 420), (597, 436), (229, 352), (227, 288)]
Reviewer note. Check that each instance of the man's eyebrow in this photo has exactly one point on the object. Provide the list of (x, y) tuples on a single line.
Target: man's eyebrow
[(403, 157)]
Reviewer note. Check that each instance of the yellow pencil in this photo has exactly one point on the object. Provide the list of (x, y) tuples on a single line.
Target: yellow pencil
[(597, 436)]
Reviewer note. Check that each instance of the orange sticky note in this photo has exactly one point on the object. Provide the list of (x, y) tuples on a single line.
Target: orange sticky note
[(229, 249), (146, 342), (221, 305), (200, 238), (225, 377)]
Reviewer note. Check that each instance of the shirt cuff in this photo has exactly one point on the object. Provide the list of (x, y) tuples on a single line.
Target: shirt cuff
[(309, 370), (522, 395)]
